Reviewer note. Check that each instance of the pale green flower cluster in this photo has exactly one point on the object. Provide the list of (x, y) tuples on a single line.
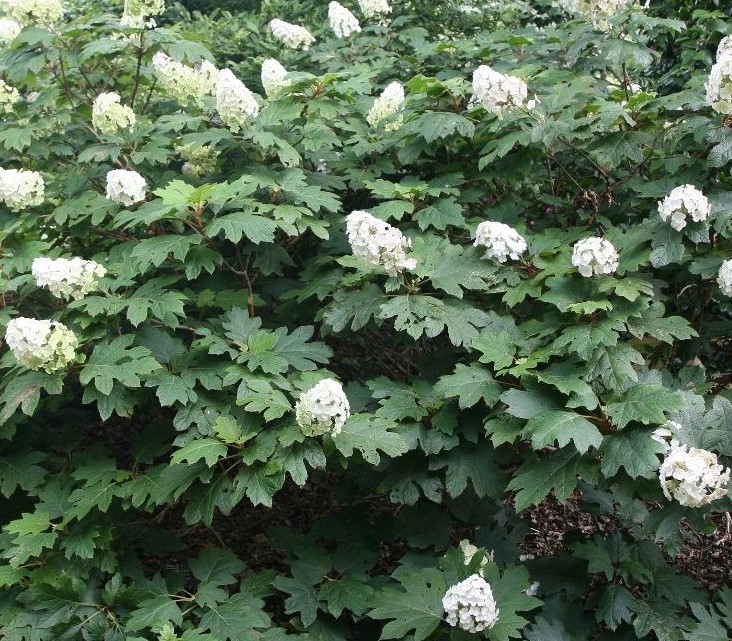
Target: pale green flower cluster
[(183, 82), (41, 344), (67, 278), (273, 77), (42, 12), (137, 12), (234, 102), (199, 160), (8, 97), (109, 116), (387, 104)]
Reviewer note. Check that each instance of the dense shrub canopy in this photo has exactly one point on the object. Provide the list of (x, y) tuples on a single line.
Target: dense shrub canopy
[(306, 307)]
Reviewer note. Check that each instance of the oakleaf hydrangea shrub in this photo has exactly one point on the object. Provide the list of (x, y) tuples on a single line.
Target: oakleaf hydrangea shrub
[(306, 309)]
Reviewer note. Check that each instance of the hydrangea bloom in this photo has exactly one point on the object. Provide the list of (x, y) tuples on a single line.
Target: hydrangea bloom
[(200, 160), (323, 409), (234, 102), (183, 82), (8, 97), (25, 12), (41, 344), (724, 48), (273, 77), (372, 8), (378, 243), (598, 12), (470, 605), (724, 278), (9, 30), (20, 188), (719, 83), (67, 278), (109, 116), (684, 201), (292, 35), (496, 91), (594, 256), (137, 12), (125, 187), (692, 476), (342, 21), (501, 241), (387, 104)]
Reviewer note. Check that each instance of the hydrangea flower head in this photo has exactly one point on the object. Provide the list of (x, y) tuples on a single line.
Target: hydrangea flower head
[(136, 13), (20, 188), (497, 92), (342, 21), (598, 12), (724, 278), (200, 160), (292, 35), (501, 241), (125, 187), (470, 605), (67, 278), (109, 116), (183, 82), (273, 77), (41, 344), (9, 30), (595, 256), (719, 83), (378, 243), (374, 8), (387, 104), (692, 476), (42, 12), (8, 97), (323, 409), (234, 102), (684, 201)]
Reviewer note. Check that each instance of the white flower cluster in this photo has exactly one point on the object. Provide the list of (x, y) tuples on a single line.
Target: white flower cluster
[(323, 409), (378, 243), (8, 97), (234, 102), (41, 344), (724, 278), (496, 91), (598, 12), (684, 201), (20, 188), (594, 256), (273, 77), (692, 476), (9, 30), (183, 82), (136, 12), (501, 241), (25, 12), (387, 104), (292, 35), (719, 83), (373, 8), (125, 187), (470, 605), (67, 277), (109, 116), (200, 160), (342, 21)]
